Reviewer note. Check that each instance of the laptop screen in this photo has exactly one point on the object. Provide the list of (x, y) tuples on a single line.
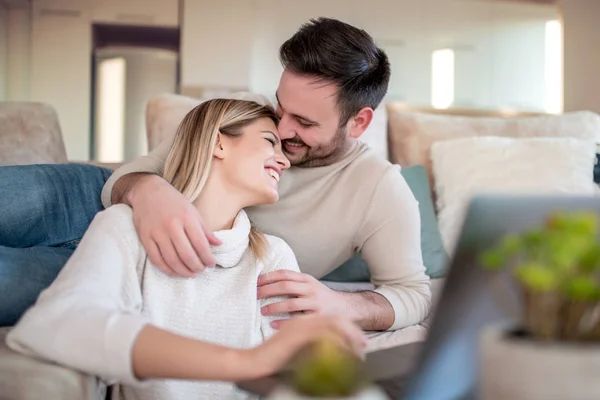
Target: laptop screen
[(473, 298)]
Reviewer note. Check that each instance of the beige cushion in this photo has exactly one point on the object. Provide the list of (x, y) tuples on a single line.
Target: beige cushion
[(30, 134), (510, 166), (411, 134), (165, 112), (26, 378)]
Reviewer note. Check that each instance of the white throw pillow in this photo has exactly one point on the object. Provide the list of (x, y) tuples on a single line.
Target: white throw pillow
[(497, 165), (411, 134)]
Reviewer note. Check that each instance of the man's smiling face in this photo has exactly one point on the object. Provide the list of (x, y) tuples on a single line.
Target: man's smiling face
[(310, 118)]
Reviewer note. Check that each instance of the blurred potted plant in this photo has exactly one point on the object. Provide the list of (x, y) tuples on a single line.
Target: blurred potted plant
[(555, 352), (324, 370)]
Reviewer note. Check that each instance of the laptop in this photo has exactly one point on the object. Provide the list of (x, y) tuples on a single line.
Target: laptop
[(445, 366)]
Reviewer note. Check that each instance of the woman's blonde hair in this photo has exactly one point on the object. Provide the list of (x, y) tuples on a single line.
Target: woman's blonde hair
[(189, 161)]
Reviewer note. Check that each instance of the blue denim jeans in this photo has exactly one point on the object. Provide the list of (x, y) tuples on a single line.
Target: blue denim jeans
[(45, 210)]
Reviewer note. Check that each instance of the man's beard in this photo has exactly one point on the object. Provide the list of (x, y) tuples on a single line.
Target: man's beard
[(321, 155)]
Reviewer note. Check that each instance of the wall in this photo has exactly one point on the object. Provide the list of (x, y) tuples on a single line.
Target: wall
[(49, 58), (499, 46), (3, 51), (582, 58), (216, 42), (19, 50), (60, 68)]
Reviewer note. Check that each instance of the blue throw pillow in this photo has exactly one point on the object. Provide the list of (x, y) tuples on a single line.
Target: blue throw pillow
[(435, 257)]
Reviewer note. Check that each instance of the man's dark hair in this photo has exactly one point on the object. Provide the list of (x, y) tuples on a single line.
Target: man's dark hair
[(336, 52)]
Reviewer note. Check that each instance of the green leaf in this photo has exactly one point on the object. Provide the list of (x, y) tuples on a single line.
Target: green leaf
[(511, 244), (538, 278), (534, 238), (493, 259), (566, 252), (582, 288), (590, 260)]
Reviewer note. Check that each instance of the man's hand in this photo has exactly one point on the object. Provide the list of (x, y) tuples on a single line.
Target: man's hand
[(170, 227), (311, 296), (369, 310)]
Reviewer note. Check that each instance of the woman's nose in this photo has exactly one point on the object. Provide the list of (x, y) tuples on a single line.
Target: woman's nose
[(282, 161)]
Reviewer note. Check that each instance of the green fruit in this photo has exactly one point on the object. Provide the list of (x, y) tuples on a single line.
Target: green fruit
[(325, 370)]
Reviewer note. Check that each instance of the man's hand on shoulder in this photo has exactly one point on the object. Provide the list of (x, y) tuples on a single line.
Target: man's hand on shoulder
[(169, 226), (309, 295)]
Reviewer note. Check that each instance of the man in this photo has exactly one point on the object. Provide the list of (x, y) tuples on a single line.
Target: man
[(337, 199)]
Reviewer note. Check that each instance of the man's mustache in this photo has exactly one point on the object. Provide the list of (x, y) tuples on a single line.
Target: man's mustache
[(295, 140)]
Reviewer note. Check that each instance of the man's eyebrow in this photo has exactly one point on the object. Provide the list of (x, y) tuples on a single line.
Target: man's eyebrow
[(274, 135), (296, 116)]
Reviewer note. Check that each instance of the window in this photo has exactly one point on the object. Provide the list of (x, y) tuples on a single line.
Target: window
[(442, 78), (110, 103), (553, 65)]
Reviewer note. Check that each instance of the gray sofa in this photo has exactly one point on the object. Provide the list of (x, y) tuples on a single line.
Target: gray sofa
[(30, 134)]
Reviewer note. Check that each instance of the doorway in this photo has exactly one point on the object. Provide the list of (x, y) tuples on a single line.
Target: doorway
[(130, 65)]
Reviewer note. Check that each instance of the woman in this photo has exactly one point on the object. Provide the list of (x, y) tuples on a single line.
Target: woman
[(112, 314)]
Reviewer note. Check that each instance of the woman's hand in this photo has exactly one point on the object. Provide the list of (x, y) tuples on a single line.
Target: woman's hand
[(297, 332), (160, 354)]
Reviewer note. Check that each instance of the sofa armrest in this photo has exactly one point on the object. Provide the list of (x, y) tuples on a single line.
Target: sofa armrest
[(111, 166), (27, 378)]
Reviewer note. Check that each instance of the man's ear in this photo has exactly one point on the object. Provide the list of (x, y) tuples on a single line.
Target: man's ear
[(360, 122), (219, 151)]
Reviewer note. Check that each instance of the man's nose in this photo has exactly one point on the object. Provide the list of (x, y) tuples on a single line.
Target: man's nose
[(285, 128)]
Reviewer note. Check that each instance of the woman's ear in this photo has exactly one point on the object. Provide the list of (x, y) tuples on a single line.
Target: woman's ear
[(219, 151)]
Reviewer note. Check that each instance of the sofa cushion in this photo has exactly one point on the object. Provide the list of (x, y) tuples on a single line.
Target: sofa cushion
[(411, 133), (165, 112), (30, 134), (508, 166), (435, 257)]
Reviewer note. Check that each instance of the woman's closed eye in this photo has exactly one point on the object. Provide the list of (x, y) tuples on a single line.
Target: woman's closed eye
[(272, 140)]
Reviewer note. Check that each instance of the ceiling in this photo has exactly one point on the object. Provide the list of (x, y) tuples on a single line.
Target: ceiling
[(15, 3), (20, 3), (531, 1)]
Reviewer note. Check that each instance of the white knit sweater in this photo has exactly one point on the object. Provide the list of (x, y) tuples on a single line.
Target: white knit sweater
[(89, 317)]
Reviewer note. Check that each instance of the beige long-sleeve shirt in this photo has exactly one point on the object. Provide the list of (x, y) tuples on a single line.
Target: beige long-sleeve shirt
[(327, 214)]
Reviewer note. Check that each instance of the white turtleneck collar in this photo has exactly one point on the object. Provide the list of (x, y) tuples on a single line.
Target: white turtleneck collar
[(234, 241)]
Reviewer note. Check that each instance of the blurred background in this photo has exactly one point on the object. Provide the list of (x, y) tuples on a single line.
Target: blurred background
[(97, 62)]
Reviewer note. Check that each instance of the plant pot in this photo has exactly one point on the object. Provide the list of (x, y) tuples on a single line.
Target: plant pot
[(371, 392), (515, 366)]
